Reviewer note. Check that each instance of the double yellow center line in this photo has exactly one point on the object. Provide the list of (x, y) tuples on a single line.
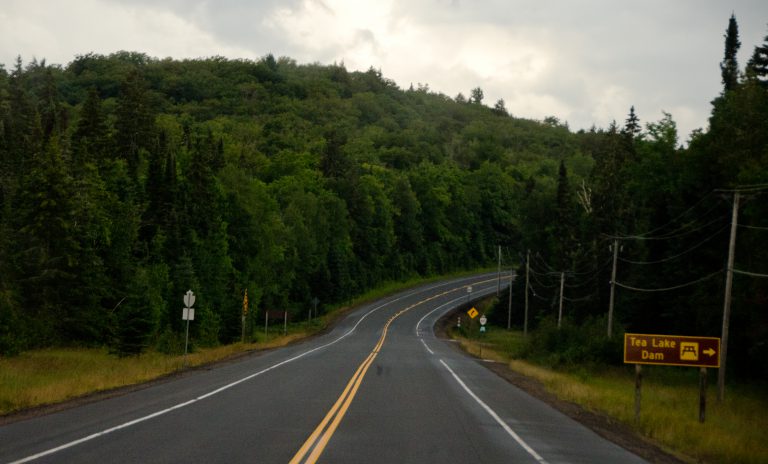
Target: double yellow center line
[(320, 437)]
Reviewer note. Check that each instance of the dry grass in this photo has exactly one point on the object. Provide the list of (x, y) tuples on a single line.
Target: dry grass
[(735, 431), (48, 376)]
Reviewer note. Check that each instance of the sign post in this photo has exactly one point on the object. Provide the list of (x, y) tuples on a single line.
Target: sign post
[(188, 314), (672, 350), (245, 313)]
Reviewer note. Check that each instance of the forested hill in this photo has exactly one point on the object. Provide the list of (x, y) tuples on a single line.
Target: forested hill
[(127, 180)]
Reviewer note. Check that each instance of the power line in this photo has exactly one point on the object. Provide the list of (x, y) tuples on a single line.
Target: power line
[(672, 221), (668, 288), (673, 234), (752, 274), (752, 227), (670, 258), (755, 188), (576, 300)]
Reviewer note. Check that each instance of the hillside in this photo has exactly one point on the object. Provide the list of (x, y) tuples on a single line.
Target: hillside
[(127, 180)]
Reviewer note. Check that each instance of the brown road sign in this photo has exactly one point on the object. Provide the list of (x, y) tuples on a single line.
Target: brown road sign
[(671, 350)]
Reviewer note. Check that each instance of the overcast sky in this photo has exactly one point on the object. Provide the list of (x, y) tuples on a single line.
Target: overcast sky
[(584, 62)]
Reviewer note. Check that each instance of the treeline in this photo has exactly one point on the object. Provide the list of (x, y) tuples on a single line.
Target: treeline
[(126, 180)]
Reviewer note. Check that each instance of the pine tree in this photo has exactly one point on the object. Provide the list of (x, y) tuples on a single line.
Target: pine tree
[(632, 127), (135, 124), (729, 68), (89, 141), (758, 64), (564, 228)]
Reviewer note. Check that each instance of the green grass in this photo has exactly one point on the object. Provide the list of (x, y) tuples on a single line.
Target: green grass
[(735, 431), (49, 376)]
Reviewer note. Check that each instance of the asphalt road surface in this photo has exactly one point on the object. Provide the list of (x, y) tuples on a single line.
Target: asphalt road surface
[(378, 388)]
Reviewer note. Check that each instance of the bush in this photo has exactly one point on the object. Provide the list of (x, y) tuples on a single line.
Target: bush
[(572, 344)]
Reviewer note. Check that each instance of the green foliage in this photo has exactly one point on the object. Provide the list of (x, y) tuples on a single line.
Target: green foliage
[(303, 181), (572, 344), (729, 68)]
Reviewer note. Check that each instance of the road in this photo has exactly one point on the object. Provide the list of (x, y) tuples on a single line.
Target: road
[(378, 388)]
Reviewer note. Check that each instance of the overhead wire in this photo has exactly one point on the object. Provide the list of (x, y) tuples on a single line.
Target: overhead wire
[(674, 234), (670, 258), (751, 274), (687, 284), (673, 220), (752, 227)]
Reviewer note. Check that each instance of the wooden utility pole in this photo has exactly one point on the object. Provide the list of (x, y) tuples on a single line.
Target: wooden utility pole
[(560, 311), (727, 303), (527, 283), (498, 273), (613, 287), (509, 303)]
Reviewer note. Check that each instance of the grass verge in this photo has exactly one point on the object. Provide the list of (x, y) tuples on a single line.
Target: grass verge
[(735, 430), (49, 376)]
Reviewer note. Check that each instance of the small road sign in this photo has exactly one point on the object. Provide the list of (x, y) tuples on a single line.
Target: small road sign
[(189, 299), (473, 312), (483, 319), (188, 314), (672, 350)]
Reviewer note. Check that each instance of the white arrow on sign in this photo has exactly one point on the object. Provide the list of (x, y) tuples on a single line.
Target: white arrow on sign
[(189, 299), (483, 319)]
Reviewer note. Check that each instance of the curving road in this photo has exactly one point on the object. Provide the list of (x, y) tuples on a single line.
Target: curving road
[(378, 388)]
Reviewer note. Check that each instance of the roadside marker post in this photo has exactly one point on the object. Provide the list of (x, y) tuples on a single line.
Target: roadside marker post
[(672, 350), (188, 314)]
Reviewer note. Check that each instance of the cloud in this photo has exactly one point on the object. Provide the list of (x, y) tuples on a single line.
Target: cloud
[(585, 63), (60, 30)]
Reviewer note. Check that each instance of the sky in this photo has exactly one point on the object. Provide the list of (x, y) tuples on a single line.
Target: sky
[(583, 62)]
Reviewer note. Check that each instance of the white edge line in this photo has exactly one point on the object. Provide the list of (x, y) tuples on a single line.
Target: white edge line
[(425, 346), (220, 389), (496, 417), (446, 304)]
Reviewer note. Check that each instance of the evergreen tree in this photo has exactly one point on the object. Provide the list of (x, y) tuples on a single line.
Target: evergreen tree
[(564, 227), (89, 141), (632, 126), (135, 122), (729, 68), (758, 64)]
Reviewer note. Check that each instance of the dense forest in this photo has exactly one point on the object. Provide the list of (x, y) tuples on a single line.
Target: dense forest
[(126, 180)]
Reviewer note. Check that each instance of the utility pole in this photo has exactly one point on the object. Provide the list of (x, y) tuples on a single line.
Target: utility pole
[(498, 273), (527, 283), (509, 304), (560, 311), (727, 303), (613, 287)]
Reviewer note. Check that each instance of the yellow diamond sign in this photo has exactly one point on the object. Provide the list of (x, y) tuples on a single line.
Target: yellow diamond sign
[(473, 312)]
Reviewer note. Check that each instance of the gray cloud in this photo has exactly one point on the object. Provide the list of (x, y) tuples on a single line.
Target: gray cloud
[(585, 62)]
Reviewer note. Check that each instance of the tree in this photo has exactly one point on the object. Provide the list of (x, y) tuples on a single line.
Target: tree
[(476, 96), (135, 123), (632, 127), (500, 108), (89, 141), (564, 228), (729, 68), (758, 64)]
